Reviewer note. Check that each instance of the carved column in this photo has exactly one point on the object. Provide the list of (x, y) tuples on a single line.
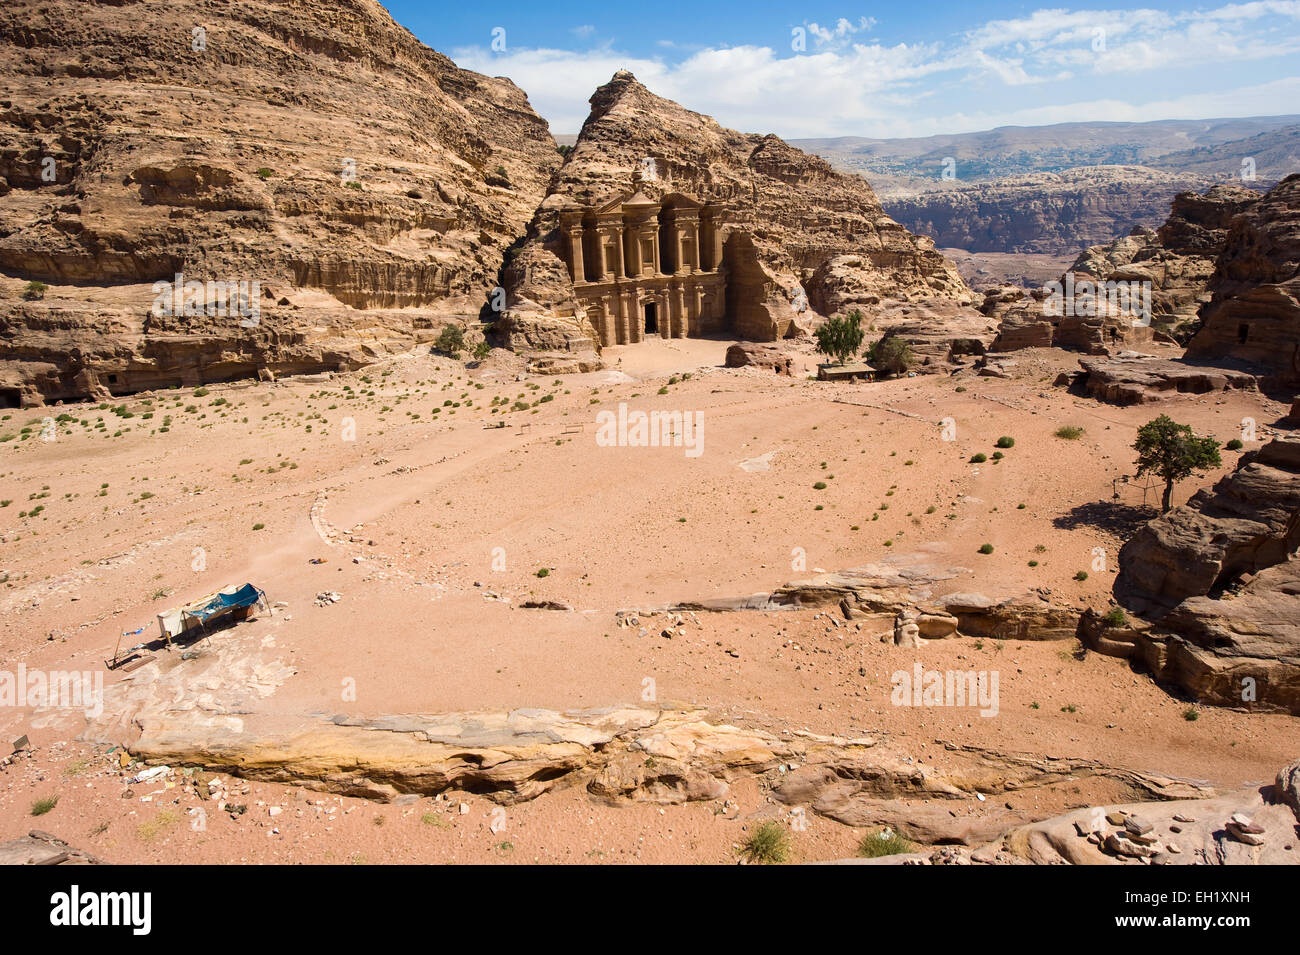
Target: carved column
[(600, 255), (632, 248), (624, 324), (575, 252)]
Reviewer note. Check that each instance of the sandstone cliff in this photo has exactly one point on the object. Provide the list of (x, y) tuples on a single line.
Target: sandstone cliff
[(795, 234), (367, 184), (1176, 261), (1045, 211), (1254, 314)]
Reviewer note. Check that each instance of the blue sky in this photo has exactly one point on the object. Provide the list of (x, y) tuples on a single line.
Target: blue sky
[(837, 69)]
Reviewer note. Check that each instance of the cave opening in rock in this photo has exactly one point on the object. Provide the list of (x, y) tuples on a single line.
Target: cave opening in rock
[(10, 398), (651, 325)]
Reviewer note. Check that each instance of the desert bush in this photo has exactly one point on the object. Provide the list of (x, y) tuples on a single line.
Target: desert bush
[(451, 341), (883, 842), (769, 844)]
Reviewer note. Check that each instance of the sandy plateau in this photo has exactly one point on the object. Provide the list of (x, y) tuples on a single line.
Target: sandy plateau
[(435, 528)]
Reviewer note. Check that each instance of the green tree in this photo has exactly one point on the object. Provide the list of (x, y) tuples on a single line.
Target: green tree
[(840, 337), (451, 341), (893, 356), (1171, 451)]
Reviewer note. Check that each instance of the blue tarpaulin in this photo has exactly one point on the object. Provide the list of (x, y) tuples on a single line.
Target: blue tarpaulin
[(245, 596)]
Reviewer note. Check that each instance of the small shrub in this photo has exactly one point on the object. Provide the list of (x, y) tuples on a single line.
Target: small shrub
[(544, 572), (1191, 714), (1234, 445), (1114, 618), (1006, 442), (986, 548), (1081, 576), (978, 458), (42, 806), (769, 844), (35, 291), (1069, 432), (885, 842)]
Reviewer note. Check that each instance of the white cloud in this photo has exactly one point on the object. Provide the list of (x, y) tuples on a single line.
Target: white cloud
[(839, 34), (849, 84)]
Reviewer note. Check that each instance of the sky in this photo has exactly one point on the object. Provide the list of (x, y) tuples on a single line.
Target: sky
[(884, 70)]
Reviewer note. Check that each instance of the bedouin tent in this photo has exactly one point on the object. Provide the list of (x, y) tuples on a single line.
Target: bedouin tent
[(199, 613)]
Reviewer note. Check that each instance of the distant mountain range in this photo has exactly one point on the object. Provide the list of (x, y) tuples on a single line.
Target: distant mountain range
[(1058, 189), (1202, 146)]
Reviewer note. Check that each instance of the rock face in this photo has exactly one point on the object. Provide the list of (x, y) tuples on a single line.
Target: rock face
[(1174, 262), (1219, 583), (1178, 259), (661, 222), (1254, 314), (318, 150), (1043, 212)]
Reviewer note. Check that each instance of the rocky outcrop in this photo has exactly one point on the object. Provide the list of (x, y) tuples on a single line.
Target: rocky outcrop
[(41, 848), (318, 150), (768, 357), (1254, 314), (942, 335), (1218, 583), (794, 234), (1174, 262), (907, 590), (1255, 826), (1130, 378)]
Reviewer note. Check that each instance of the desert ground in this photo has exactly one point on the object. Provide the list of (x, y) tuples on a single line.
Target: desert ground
[(393, 488)]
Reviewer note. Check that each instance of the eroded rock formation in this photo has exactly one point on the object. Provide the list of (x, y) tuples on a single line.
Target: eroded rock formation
[(1218, 583), (317, 149)]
